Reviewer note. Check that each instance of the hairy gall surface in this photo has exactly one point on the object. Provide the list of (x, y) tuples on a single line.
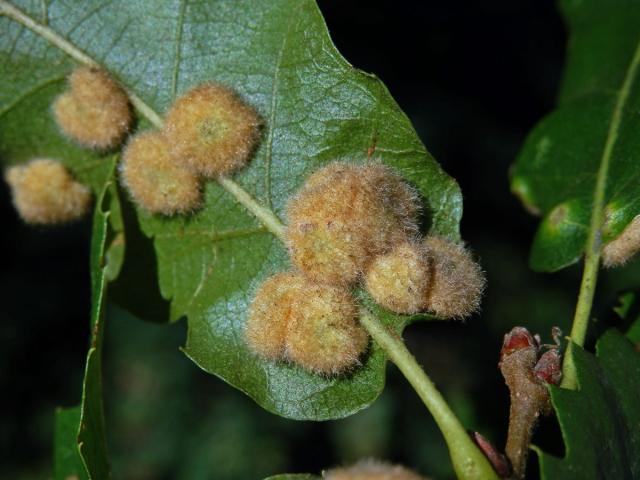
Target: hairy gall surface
[(155, 180), (372, 470), (270, 314), (456, 283), (620, 250), (94, 111), (324, 335), (344, 215), (45, 193), (398, 280), (212, 130)]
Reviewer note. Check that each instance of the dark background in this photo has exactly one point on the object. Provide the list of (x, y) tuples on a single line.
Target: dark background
[(474, 77)]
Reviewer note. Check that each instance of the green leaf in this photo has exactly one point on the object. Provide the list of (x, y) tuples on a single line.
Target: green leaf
[(80, 431), (578, 167), (316, 108), (600, 422), (67, 462)]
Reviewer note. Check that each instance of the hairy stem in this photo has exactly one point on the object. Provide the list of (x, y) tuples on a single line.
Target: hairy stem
[(468, 461), (594, 240)]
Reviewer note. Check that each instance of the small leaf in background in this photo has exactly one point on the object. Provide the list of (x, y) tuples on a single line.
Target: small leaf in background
[(316, 108), (582, 159), (600, 421), (67, 462), (82, 429)]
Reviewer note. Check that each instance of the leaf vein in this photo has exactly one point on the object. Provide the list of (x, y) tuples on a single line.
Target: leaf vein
[(178, 48)]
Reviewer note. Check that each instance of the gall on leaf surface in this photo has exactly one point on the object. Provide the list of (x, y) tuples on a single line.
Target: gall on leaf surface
[(591, 137), (599, 421), (316, 108)]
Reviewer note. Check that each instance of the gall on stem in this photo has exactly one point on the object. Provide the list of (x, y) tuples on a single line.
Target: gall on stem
[(527, 369), (211, 130), (45, 193), (344, 215), (94, 111)]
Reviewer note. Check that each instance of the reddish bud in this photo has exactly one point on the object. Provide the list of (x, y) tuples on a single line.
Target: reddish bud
[(498, 460), (517, 339), (549, 367)]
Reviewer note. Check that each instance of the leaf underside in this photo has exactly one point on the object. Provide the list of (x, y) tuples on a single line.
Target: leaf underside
[(595, 124), (600, 422), (316, 108)]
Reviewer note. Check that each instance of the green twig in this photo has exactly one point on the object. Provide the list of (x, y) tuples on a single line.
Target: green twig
[(468, 461)]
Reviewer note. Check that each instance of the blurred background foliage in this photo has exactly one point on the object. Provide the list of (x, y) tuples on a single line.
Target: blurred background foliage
[(474, 77)]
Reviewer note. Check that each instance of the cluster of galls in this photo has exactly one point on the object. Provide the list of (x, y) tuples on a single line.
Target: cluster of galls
[(350, 223), (208, 132), (94, 111)]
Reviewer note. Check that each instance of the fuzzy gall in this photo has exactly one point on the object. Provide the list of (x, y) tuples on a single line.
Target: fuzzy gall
[(344, 215), (154, 180), (398, 280), (45, 193), (456, 282), (324, 335), (94, 111), (212, 130)]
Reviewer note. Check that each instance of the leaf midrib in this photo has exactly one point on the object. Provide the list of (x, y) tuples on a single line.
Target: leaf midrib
[(264, 214), (605, 161)]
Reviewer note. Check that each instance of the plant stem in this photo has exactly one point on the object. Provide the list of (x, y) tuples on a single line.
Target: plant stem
[(582, 315), (594, 240), (262, 213), (468, 461)]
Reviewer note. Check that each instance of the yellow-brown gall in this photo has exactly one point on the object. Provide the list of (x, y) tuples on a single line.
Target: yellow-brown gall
[(324, 335), (94, 111), (44, 192), (398, 280), (372, 470), (344, 215), (617, 252), (270, 313), (456, 283), (212, 130), (153, 178)]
